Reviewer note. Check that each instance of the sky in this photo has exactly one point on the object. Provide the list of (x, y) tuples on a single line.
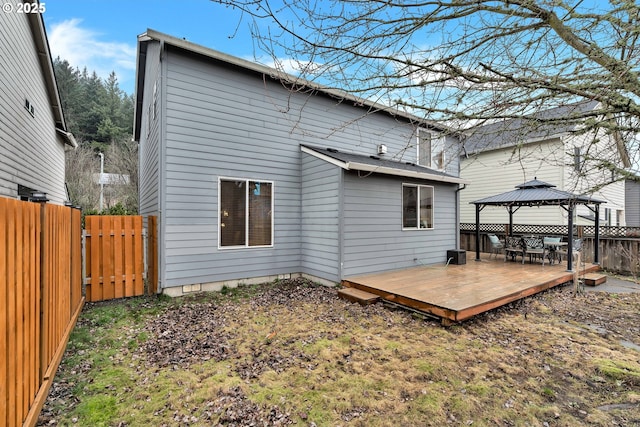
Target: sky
[(101, 35)]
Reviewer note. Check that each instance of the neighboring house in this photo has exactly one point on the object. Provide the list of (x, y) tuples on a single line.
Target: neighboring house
[(111, 179), (33, 132), (113, 187), (632, 199), (501, 155), (256, 175)]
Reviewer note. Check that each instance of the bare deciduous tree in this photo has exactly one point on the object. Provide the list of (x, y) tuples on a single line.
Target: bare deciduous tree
[(121, 159), (467, 62), (83, 172), (81, 167)]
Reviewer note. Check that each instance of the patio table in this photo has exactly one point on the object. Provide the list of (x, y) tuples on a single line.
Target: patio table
[(553, 248)]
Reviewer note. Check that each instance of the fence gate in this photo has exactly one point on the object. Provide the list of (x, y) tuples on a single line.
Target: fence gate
[(114, 257)]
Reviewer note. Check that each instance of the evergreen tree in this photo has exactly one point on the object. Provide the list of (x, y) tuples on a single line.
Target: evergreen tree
[(100, 115), (68, 80)]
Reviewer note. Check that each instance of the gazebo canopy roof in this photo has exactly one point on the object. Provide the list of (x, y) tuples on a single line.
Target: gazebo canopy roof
[(536, 193)]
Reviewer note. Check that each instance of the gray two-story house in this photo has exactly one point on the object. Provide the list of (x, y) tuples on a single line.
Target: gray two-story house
[(256, 174)]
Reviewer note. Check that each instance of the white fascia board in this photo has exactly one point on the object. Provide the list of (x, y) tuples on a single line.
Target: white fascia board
[(364, 167), (326, 158), (406, 173), (68, 137)]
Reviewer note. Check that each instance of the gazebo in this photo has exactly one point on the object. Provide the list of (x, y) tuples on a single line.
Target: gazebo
[(539, 193)]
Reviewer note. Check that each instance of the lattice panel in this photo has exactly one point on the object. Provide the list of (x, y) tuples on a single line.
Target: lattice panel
[(554, 230)]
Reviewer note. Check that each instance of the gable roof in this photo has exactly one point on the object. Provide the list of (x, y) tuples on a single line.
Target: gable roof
[(39, 34), (262, 70), (375, 164), (511, 132)]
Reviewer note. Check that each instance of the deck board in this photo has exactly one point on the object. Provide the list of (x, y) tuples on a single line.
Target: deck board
[(457, 292)]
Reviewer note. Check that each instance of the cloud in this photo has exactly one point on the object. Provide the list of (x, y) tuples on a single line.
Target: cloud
[(290, 66), (83, 47)]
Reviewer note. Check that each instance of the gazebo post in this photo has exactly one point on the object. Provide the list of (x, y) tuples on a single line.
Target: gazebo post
[(596, 248), (477, 232), (570, 237), (510, 221)]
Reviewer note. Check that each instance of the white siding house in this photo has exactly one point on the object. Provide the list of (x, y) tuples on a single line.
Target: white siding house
[(632, 195), (33, 133), (255, 174), (501, 155)]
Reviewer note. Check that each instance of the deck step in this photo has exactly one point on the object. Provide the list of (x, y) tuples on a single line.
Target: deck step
[(357, 295), (594, 279)]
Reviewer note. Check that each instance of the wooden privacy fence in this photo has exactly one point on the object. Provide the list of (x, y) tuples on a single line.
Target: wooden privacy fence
[(117, 253), (40, 300)]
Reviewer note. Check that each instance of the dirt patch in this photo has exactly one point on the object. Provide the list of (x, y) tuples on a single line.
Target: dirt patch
[(292, 353)]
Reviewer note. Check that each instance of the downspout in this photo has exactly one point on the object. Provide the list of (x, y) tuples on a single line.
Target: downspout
[(457, 192)]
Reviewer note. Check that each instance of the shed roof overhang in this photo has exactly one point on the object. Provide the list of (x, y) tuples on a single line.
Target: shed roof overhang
[(375, 164)]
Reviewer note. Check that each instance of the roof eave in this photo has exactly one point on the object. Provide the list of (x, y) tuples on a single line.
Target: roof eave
[(141, 58), (405, 173), (385, 170), (36, 24), (68, 137)]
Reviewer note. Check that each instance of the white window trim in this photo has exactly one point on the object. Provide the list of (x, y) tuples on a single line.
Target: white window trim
[(433, 204), (418, 140), (436, 140), (246, 210)]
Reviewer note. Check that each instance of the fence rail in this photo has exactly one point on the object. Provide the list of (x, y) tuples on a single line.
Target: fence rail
[(40, 300)]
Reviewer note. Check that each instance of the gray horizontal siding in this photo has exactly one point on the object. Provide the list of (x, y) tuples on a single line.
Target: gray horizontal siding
[(31, 153), (223, 123), (207, 139), (321, 184), (632, 201), (150, 135), (373, 237)]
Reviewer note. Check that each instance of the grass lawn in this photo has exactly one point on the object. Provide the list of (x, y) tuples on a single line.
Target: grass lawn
[(292, 353)]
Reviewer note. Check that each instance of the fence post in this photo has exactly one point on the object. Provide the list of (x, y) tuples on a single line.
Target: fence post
[(145, 255), (84, 262), (152, 255), (43, 289)]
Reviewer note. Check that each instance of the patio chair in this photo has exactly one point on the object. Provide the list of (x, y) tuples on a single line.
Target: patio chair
[(534, 247), (577, 247), (496, 245), (513, 248)]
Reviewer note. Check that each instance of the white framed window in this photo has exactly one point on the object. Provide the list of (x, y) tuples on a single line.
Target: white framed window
[(417, 207), (245, 213), (431, 150)]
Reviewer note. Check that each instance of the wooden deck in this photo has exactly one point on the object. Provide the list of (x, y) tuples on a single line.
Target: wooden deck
[(457, 292)]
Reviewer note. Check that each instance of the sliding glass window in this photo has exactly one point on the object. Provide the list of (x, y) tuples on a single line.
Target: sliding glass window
[(417, 206), (246, 213)]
